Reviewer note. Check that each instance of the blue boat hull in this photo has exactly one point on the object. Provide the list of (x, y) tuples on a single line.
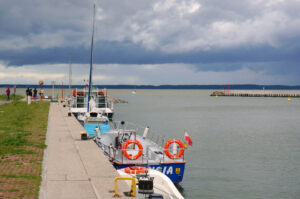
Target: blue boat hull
[(174, 171)]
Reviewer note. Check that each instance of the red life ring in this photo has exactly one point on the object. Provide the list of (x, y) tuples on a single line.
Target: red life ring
[(167, 152), (135, 170), (129, 157), (74, 93), (80, 93)]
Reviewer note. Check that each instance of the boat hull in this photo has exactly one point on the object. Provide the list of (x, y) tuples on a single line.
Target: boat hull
[(174, 171)]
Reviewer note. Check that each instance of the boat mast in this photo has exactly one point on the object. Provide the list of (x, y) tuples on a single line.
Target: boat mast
[(91, 62), (70, 74)]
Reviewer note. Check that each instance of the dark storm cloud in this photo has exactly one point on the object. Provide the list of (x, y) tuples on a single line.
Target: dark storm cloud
[(129, 53), (213, 35)]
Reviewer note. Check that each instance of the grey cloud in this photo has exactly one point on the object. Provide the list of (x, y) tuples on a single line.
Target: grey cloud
[(214, 35), (171, 26)]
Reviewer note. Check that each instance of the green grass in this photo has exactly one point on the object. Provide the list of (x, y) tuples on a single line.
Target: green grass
[(20, 176), (3, 97), (22, 134), (13, 190)]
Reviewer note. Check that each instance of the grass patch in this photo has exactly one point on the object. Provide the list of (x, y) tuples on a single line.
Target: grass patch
[(20, 176), (14, 151), (13, 139), (22, 141), (13, 190), (3, 97)]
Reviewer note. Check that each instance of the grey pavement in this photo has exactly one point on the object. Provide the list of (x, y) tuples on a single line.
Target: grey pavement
[(73, 168)]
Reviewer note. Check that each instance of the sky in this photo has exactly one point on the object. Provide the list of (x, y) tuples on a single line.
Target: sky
[(151, 42)]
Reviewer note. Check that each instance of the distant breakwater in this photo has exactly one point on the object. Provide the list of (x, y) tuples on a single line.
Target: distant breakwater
[(257, 93)]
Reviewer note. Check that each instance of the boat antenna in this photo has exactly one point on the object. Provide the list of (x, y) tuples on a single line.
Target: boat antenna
[(91, 62)]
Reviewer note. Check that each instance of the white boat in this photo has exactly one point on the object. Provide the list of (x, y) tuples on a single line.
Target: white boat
[(128, 145), (161, 183), (79, 101)]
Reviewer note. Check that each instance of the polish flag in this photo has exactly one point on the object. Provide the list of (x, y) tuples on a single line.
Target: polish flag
[(188, 138)]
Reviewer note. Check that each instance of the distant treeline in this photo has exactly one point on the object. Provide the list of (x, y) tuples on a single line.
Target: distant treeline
[(207, 87)]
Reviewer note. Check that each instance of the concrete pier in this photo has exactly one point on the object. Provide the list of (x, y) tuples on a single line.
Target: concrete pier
[(73, 168), (257, 93)]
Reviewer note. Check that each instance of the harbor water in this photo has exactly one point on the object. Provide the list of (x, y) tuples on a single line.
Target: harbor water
[(242, 147)]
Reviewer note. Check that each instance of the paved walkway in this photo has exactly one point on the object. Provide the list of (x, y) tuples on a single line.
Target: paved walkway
[(73, 168)]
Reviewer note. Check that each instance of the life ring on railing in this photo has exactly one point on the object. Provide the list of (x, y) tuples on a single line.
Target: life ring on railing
[(177, 141), (135, 170), (130, 157), (74, 93), (80, 93)]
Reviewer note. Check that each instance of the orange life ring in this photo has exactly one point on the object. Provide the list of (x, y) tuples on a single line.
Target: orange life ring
[(130, 157), (135, 170), (167, 152), (74, 92)]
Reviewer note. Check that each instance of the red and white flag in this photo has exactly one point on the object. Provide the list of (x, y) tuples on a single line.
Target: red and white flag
[(188, 138)]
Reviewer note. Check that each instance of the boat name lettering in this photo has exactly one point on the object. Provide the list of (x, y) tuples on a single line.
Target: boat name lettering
[(166, 170)]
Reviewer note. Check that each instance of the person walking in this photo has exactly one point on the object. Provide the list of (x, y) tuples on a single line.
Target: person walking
[(34, 93), (8, 93)]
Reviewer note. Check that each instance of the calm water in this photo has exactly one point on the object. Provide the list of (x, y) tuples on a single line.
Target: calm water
[(242, 147)]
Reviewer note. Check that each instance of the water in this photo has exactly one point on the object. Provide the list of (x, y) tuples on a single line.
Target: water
[(242, 147)]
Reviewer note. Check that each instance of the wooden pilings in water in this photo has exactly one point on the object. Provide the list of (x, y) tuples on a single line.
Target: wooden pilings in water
[(258, 93)]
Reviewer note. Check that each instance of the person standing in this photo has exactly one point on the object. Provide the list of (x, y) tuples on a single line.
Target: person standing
[(29, 96), (8, 93), (27, 93), (34, 93), (42, 94)]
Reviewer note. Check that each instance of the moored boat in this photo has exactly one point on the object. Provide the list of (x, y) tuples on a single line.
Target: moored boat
[(79, 102), (127, 145)]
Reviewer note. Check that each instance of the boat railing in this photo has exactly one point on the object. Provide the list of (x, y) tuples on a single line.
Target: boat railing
[(157, 139), (118, 155), (98, 105), (101, 100)]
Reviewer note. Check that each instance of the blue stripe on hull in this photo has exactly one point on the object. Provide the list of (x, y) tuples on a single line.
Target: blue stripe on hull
[(174, 171), (90, 129)]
